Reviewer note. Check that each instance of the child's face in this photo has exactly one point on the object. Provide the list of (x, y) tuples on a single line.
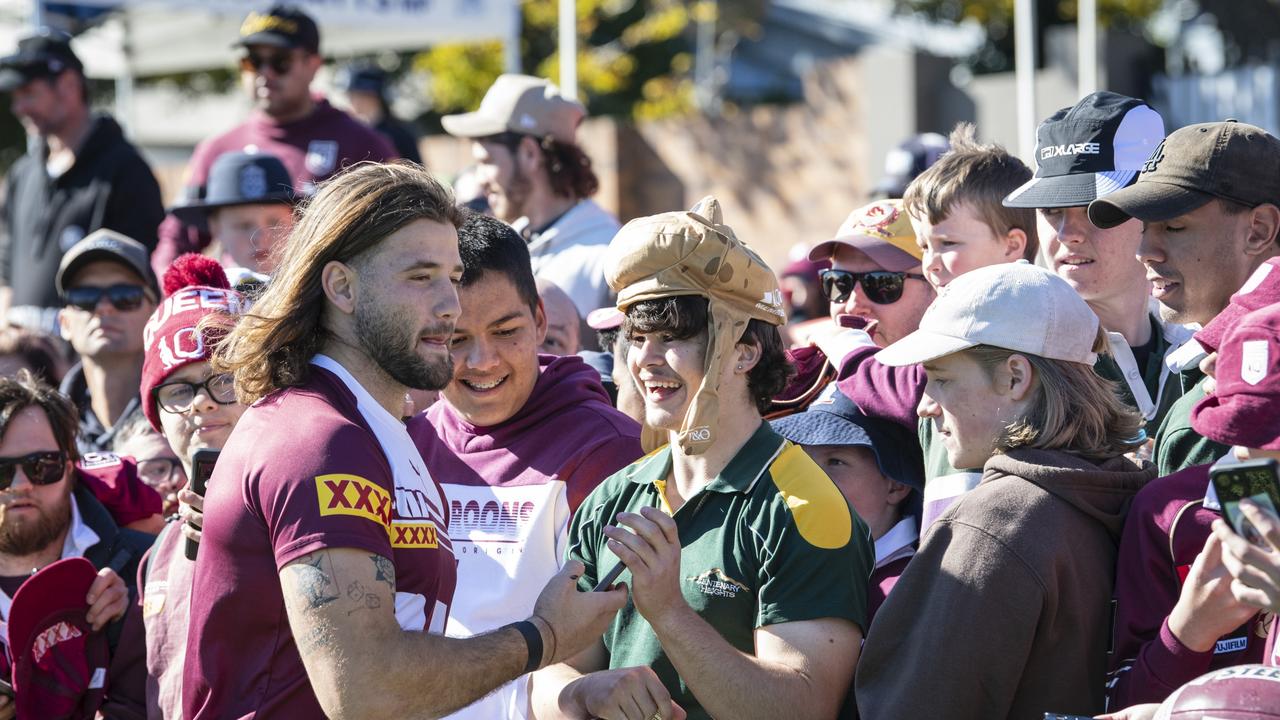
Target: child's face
[(248, 233), (962, 242), (854, 471)]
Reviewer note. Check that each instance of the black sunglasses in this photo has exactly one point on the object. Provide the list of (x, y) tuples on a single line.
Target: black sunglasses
[(177, 397), (123, 297), (41, 468), (882, 287), (281, 63)]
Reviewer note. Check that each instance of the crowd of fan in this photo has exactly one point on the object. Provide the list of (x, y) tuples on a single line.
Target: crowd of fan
[(499, 456)]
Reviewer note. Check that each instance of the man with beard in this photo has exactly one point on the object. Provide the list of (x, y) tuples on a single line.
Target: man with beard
[(312, 138), (1209, 202), (325, 539), (48, 512), (539, 180)]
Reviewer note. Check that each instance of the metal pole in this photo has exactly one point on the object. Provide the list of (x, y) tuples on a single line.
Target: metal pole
[(511, 48), (37, 14), (1024, 43), (1087, 50), (568, 49)]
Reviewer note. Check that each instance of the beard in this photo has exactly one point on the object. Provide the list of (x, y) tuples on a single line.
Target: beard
[(390, 340), (511, 203), (28, 536)]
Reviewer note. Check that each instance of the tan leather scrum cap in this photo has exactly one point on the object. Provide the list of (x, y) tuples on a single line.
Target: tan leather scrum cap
[(695, 253)]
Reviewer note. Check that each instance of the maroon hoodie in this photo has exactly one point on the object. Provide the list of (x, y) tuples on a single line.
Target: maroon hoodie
[(511, 490)]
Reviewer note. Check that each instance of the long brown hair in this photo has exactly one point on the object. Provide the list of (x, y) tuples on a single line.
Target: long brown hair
[(352, 213), (1072, 409)]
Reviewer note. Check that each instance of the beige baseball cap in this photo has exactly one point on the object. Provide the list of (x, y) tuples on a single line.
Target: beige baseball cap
[(521, 104), (1015, 306), (695, 253)]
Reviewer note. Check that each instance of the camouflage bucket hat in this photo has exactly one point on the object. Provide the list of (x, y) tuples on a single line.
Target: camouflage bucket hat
[(695, 253)]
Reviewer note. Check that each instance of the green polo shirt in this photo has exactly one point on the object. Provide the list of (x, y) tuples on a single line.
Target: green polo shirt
[(1107, 367), (1178, 445), (769, 540)]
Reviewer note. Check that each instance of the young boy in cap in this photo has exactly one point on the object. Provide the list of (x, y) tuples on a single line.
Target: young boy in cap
[(248, 206), (194, 408), (876, 465), (746, 568), (1172, 623), (1209, 202), (314, 140), (1085, 152)]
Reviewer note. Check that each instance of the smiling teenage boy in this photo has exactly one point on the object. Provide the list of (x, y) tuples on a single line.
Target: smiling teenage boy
[(518, 440), (746, 568)]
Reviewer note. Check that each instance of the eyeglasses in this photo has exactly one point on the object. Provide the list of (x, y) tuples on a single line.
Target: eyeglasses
[(882, 287), (177, 397), (281, 63), (158, 471), (40, 468), (123, 297)]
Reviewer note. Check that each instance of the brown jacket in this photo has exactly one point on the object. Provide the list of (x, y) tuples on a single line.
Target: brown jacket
[(1005, 610)]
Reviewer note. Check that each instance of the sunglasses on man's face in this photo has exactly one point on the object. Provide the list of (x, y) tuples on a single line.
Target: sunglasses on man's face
[(280, 63), (882, 287), (40, 468), (123, 297)]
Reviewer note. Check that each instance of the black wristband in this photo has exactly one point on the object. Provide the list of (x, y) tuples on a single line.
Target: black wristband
[(533, 640)]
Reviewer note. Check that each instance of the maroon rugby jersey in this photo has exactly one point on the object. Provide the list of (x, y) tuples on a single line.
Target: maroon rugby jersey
[(302, 471)]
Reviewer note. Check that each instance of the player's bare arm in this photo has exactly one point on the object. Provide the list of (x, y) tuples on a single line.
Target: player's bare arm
[(341, 608)]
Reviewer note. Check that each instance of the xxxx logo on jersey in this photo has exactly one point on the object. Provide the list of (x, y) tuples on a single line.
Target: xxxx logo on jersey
[(355, 496), (413, 535)]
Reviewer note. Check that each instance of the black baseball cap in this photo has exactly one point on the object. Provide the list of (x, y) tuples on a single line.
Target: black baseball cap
[(833, 419), (365, 78), (283, 26), (1230, 160), (910, 158), (109, 246), (43, 55), (240, 178), (1089, 150)]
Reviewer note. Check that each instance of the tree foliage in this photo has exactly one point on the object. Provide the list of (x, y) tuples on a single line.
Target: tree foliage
[(635, 57), (996, 16)]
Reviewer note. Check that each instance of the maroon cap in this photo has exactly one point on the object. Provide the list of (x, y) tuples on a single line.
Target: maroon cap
[(1260, 290), (1243, 408), (605, 318), (59, 662)]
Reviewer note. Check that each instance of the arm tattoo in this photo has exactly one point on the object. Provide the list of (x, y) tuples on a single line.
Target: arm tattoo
[(318, 585), (386, 571), (362, 598)]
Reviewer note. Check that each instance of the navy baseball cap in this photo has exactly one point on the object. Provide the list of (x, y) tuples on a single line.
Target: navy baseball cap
[(910, 158), (43, 55), (1089, 150), (240, 178), (833, 419)]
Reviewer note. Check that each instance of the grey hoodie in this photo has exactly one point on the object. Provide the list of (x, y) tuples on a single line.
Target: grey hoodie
[(1005, 612)]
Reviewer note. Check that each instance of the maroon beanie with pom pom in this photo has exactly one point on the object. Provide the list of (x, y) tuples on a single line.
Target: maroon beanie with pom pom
[(194, 286)]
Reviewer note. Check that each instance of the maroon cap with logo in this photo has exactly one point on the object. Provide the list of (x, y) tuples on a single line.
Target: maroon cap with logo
[(59, 662), (1243, 408), (1260, 290)]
